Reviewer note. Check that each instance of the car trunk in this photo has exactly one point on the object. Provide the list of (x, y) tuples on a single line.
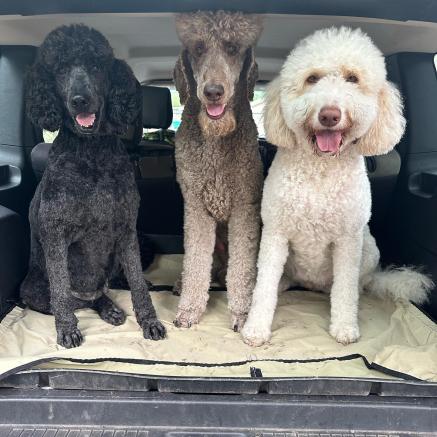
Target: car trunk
[(206, 381)]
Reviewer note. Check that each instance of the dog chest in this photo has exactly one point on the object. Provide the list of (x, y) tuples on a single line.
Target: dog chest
[(81, 196), (216, 195), (210, 176), (319, 201)]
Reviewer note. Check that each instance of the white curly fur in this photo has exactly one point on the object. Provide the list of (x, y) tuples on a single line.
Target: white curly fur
[(316, 205)]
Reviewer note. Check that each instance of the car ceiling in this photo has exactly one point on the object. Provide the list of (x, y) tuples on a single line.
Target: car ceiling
[(148, 42)]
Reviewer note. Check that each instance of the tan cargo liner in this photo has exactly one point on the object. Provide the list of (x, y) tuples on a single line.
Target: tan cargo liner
[(398, 340)]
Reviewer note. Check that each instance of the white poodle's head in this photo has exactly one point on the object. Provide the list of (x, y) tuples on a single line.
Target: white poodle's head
[(332, 95)]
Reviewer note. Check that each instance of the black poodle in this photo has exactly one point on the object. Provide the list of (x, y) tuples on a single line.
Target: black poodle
[(84, 212)]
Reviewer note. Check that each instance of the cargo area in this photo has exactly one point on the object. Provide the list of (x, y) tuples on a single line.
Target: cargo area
[(398, 341), (301, 380)]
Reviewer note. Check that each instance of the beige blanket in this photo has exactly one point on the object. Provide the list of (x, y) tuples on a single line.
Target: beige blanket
[(397, 340)]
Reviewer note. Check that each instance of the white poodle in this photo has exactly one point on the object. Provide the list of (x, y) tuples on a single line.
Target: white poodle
[(330, 106)]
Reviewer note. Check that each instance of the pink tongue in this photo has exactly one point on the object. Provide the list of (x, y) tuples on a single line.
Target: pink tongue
[(85, 119), (215, 110), (328, 140)]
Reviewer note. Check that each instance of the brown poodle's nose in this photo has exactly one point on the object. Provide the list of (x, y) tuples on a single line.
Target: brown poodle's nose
[(213, 92), (329, 116)]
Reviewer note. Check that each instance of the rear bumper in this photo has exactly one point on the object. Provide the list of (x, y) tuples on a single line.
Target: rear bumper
[(157, 414)]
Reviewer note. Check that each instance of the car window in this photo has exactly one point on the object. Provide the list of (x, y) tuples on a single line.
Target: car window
[(257, 106), (48, 136)]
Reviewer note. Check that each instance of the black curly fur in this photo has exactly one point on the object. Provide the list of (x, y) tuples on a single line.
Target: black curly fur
[(84, 212), (118, 279)]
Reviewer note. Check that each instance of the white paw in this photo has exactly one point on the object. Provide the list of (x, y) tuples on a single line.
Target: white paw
[(255, 334), (345, 333)]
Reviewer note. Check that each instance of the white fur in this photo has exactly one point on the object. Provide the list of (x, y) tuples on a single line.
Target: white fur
[(316, 206)]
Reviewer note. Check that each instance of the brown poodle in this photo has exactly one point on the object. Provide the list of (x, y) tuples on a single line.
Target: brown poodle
[(218, 164)]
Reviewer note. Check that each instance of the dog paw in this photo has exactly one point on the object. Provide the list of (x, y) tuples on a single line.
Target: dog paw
[(69, 337), (153, 330), (177, 287), (238, 321), (345, 334), (186, 319), (113, 315), (255, 335)]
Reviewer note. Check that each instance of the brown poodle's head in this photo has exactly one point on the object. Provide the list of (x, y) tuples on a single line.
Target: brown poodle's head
[(217, 64), (76, 82)]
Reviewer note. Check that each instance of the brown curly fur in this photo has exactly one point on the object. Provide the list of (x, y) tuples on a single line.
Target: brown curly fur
[(218, 164)]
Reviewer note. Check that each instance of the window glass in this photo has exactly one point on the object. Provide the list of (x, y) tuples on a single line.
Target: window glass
[(48, 136)]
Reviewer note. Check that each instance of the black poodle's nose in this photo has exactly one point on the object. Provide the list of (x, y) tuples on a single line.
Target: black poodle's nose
[(329, 116), (79, 102), (213, 92)]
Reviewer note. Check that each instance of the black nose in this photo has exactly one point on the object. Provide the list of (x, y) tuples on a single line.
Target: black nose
[(213, 92), (329, 116), (79, 102)]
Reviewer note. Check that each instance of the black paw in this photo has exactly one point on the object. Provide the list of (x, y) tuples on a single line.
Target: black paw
[(113, 315), (69, 337), (153, 330)]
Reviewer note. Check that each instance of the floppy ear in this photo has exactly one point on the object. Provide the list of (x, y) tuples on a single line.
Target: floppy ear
[(124, 100), (251, 70), (183, 76), (389, 125), (277, 131), (43, 106)]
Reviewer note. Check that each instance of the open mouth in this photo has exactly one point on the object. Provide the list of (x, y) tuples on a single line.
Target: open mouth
[(215, 110), (328, 141), (86, 121)]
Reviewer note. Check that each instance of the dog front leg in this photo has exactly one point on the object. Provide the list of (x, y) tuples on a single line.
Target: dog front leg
[(272, 257), (347, 254), (141, 300), (244, 232), (199, 241), (61, 302)]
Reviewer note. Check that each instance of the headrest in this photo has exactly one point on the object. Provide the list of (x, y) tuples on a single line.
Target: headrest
[(157, 108)]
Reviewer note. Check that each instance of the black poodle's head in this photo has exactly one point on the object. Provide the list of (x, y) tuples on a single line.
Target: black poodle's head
[(76, 82)]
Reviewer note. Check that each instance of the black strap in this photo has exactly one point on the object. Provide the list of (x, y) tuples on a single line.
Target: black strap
[(370, 366)]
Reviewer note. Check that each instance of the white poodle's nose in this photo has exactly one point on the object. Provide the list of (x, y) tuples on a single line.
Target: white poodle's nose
[(329, 116)]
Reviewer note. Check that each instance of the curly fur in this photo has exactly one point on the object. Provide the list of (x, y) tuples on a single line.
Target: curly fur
[(218, 164), (316, 204), (83, 215)]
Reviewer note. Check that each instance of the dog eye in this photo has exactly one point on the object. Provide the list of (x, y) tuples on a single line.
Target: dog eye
[(231, 49), (312, 79), (352, 78), (199, 48)]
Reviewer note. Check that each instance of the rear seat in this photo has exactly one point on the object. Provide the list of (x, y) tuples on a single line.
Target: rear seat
[(157, 111), (161, 209)]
